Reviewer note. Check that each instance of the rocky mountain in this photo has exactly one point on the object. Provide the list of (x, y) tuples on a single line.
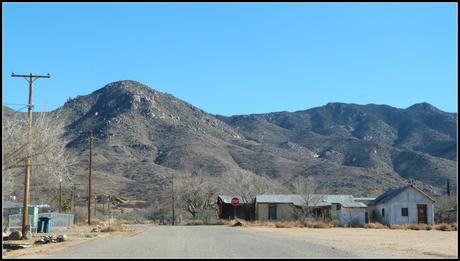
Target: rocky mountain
[(142, 136)]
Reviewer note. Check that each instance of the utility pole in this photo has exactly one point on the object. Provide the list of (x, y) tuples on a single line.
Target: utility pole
[(30, 78), (173, 216), (90, 134), (60, 195)]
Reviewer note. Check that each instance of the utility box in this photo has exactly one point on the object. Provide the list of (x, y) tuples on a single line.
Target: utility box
[(33, 211)]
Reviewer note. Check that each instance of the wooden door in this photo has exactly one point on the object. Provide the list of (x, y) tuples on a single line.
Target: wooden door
[(421, 214)]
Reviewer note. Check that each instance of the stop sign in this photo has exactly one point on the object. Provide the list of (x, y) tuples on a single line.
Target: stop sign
[(235, 201)]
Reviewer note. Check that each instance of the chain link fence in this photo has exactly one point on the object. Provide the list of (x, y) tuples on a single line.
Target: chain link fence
[(59, 220)]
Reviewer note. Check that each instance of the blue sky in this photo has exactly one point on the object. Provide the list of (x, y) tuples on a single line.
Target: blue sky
[(236, 58)]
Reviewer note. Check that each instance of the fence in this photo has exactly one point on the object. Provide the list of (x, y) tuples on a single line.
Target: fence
[(59, 220), (15, 223)]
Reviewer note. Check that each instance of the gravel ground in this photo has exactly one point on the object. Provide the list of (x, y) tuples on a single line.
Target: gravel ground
[(377, 243)]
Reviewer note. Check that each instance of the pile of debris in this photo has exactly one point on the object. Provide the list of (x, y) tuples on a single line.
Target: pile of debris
[(16, 235), (51, 239)]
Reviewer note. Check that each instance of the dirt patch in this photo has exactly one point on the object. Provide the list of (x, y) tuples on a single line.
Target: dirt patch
[(75, 235), (378, 243)]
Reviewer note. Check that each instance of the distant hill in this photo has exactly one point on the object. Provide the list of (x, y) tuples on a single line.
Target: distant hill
[(143, 135)]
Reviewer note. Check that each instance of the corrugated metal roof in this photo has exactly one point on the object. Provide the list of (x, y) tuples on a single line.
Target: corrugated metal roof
[(316, 200), (294, 199), (390, 194), (344, 200)]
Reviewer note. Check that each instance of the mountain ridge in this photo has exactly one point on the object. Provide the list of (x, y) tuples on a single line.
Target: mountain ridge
[(143, 135)]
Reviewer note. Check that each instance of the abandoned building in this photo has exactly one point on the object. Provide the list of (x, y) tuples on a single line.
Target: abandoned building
[(225, 209), (326, 207), (405, 205)]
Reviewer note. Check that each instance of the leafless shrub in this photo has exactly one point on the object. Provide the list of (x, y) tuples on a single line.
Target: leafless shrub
[(374, 226), (288, 224), (398, 227), (446, 227), (316, 224), (115, 225), (418, 227)]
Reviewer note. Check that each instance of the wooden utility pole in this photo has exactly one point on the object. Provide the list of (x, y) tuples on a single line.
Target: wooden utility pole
[(30, 78), (90, 134), (95, 206), (60, 195), (173, 216)]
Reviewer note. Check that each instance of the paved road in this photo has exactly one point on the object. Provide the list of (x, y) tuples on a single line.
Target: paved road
[(201, 242)]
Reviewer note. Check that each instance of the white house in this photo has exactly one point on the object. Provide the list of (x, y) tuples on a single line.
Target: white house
[(406, 205)]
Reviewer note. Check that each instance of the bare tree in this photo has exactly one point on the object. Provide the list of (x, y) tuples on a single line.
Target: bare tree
[(49, 160), (306, 187), (195, 193), (247, 185), (445, 209)]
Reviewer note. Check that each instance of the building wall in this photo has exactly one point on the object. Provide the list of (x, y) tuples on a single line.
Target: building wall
[(351, 216), (284, 211), (406, 199)]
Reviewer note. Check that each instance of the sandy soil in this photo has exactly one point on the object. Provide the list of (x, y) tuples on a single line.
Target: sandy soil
[(379, 243), (75, 235)]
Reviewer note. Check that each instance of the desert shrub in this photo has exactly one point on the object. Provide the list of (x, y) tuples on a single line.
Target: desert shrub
[(374, 226), (418, 226), (398, 226), (443, 227), (321, 224), (335, 223), (316, 224), (454, 226), (288, 224), (115, 225)]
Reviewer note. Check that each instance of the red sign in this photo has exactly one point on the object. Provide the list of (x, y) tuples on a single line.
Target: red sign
[(235, 201)]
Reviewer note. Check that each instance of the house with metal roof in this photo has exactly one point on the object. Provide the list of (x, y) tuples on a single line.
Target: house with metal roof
[(405, 205), (343, 208)]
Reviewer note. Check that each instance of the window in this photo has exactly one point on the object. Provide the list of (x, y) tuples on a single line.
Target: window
[(337, 207), (383, 212), (404, 212)]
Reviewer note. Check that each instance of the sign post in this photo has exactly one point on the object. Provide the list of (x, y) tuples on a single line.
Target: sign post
[(235, 202)]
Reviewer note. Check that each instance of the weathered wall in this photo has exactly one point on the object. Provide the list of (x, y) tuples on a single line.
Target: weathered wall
[(284, 211), (351, 216)]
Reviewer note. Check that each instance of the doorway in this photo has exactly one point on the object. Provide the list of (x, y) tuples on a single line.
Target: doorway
[(421, 214)]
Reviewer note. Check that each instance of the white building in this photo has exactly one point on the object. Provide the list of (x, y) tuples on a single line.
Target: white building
[(406, 205)]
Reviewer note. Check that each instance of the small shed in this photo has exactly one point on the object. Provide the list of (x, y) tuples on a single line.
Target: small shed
[(277, 207), (405, 205)]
